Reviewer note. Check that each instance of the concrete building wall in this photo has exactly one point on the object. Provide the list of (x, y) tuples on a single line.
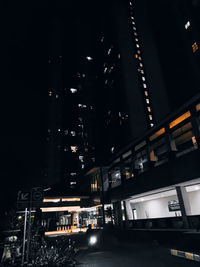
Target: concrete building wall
[(194, 199)]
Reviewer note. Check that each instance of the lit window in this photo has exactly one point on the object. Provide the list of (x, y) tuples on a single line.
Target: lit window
[(81, 158), (157, 134), (73, 173), (146, 93), (105, 69), (138, 51), (83, 75), (57, 96), (180, 119), (195, 47), (135, 33), (71, 183), (132, 17), (150, 117), (144, 85), (147, 101), (136, 55), (187, 25), (136, 39), (141, 65), (59, 130), (134, 28), (73, 90), (149, 109), (73, 133), (89, 58), (50, 93), (74, 149), (109, 51), (82, 166), (142, 71), (133, 22), (118, 56), (112, 149), (151, 124), (143, 78), (82, 106), (140, 58), (137, 45), (130, 3)]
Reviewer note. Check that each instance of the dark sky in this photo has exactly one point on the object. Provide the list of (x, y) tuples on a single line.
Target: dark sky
[(24, 84)]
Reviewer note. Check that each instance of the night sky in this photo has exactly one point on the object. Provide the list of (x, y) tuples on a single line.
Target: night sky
[(24, 85)]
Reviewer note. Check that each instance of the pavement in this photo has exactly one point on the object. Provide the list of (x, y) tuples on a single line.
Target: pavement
[(126, 255)]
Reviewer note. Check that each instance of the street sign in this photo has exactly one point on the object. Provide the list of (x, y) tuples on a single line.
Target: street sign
[(23, 196), (36, 196), (30, 199)]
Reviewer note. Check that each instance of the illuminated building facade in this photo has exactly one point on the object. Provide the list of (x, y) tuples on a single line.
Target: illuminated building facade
[(158, 65)]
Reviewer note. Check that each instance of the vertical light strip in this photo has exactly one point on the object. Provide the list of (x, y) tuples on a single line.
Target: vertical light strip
[(140, 68)]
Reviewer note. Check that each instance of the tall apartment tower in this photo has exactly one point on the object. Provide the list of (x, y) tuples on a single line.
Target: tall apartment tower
[(151, 64), (71, 106)]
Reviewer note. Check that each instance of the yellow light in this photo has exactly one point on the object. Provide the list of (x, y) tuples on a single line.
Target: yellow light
[(179, 119), (57, 209), (136, 55), (156, 134), (197, 107), (195, 47), (71, 199), (54, 200)]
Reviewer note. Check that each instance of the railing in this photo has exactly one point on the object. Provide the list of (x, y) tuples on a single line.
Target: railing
[(163, 223), (172, 138)]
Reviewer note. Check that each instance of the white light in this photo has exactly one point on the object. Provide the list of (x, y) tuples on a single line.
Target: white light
[(89, 58), (74, 149), (59, 130), (73, 90), (187, 25), (93, 240)]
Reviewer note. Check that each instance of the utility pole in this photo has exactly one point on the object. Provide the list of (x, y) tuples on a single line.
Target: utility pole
[(24, 237)]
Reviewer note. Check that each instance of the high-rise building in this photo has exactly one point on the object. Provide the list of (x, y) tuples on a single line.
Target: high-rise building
[(71, 131), (153, 47)]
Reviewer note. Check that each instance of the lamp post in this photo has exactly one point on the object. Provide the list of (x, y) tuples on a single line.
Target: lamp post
[(102, 194)]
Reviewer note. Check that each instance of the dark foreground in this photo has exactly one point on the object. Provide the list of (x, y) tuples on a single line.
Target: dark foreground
[(137, 255)]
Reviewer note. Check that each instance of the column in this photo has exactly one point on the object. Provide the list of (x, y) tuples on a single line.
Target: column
[(184, 204)]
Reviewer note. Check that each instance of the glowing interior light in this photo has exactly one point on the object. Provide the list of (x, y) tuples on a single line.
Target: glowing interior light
[(73, 90), (187, 25), (89, 58)]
